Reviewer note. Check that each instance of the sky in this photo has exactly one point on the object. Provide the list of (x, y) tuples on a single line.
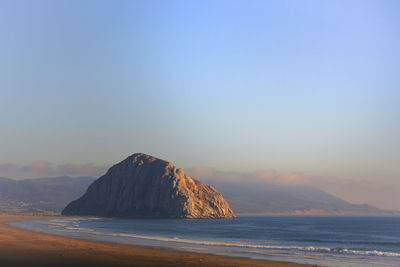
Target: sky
[(309, 87)]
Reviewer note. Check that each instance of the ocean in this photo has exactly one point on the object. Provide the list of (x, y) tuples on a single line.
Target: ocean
[(324, 240)]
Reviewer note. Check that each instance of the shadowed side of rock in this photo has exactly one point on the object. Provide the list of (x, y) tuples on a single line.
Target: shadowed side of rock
[(144, 186)]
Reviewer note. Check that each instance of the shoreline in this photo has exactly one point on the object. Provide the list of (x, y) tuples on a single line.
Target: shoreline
[(20, 247)]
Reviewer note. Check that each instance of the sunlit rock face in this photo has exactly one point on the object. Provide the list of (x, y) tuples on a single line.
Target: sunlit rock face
[(144, 186)]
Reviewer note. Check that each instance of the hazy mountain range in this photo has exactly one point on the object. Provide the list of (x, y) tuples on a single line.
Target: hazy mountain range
[(264, 198), (251, 197), (42, 194)]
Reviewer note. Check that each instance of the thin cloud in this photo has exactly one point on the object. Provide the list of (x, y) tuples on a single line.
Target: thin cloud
[(40, 169)]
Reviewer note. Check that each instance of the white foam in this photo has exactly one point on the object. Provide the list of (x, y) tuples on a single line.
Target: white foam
[(238, 244), (73, 226)]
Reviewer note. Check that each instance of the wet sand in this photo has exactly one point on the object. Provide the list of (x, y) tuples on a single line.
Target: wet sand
[(20, 247)]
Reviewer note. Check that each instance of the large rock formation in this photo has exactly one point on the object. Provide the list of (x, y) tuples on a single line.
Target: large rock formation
[(144, 186)]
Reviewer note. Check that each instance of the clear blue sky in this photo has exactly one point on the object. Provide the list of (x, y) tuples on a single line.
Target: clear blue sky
[(310, 86)]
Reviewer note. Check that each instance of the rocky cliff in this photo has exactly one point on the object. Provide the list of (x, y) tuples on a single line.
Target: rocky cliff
[(144, 186)]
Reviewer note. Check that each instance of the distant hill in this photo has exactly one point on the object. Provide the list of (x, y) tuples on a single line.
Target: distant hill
[(264, 198), (53, 194), (43, 194)]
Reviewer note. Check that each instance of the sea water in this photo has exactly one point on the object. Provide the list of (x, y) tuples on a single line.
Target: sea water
[(323, 240)]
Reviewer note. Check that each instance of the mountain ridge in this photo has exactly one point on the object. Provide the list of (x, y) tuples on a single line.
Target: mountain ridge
[(54, 193), (266, 198), (41, 194)]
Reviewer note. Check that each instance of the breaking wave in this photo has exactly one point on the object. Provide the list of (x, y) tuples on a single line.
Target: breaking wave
[(238, 244), (243, 237)]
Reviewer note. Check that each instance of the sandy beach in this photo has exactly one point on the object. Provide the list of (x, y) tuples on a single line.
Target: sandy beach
[(20, 247)]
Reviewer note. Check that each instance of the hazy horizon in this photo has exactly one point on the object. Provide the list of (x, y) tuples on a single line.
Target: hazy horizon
[(378, 193), (308, 91)]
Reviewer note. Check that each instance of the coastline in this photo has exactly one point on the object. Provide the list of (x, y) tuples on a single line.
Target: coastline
[(19, 247)]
